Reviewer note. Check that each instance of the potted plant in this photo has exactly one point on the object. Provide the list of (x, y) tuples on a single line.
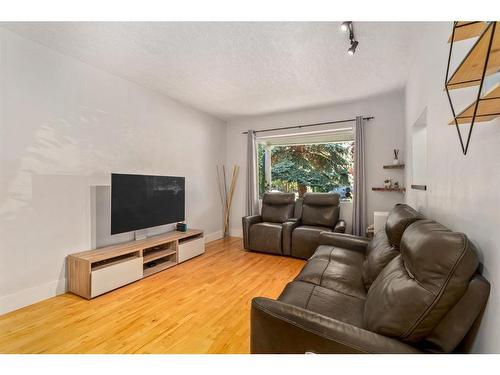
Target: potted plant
[(396, 159), (387, 183)]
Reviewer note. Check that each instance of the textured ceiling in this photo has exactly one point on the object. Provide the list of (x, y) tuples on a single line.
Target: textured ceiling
[(232, 69)]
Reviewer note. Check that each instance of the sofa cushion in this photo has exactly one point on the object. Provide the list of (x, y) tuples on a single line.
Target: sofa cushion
[(277, 207), (320, 209), (305, 240), (337, 269), (324, 301), (417, 288), (400, 217), (379, 252), (266, 237)]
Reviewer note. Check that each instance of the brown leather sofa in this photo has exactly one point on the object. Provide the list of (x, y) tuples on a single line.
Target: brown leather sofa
[(414, 288), (264, 232), (315, 213)]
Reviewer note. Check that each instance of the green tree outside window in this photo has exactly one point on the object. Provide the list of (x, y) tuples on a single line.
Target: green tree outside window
[(316, 167)]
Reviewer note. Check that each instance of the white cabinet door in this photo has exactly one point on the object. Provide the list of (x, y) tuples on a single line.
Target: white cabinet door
[(191, 248), (108, 278)]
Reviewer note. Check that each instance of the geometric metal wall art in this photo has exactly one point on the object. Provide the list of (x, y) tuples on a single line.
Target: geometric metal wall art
[(483, 59)]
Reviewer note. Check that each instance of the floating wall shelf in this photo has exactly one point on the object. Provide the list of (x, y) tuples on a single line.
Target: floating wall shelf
[(470, 70), (487, 110), (394, 166), (483, 59), (468, 29), (419, 187), (397, 190)]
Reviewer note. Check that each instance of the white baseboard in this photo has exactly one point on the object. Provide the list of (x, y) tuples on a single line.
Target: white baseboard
[(236, 232), (213, 236), (30, 296), (218, 235)]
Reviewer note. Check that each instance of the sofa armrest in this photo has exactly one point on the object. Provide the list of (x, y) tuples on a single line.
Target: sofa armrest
[(339, 227), (247, 222), (347, 241), (288, 228), (278, 327)]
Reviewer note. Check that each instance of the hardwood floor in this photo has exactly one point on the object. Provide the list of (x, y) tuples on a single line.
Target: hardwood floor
[(200, 306)]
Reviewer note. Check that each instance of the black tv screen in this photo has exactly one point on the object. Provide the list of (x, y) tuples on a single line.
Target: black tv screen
[(139, 202)]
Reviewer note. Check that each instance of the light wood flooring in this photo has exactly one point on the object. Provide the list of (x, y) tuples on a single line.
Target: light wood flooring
[(200, 306)]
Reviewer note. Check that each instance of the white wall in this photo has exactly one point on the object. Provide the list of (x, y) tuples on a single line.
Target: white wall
[(463, 191), (383, 134), (65, 126)]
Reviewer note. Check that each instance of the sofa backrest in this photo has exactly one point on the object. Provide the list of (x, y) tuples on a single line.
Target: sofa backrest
[(400, 217), (381, 250), (277, 207), (419, 287), (320, 209)]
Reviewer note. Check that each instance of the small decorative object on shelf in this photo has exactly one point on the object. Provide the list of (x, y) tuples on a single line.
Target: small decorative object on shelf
[(396, 185), (483, 59), (181, 227), (388, 183), (396, 159)]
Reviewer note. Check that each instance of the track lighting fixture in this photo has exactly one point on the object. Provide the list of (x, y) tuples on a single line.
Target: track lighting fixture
[(347, 26), (352, 49)]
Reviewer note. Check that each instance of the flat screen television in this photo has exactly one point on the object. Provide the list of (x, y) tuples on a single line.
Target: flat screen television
[(139, 202)]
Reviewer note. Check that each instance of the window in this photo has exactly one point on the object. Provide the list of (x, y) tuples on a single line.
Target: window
[(298, 166)]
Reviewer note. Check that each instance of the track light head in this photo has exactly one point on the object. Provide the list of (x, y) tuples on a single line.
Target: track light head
[(344, 26), (347, 26), (352, 49)]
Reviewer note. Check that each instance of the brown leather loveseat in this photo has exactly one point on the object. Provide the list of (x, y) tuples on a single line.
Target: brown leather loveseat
[(414, 288), (289, 227)]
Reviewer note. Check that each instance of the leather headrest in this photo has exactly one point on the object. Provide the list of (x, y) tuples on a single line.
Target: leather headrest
[(277, 198), (321, 199), (400, 217), (431, 252), (418, 288)]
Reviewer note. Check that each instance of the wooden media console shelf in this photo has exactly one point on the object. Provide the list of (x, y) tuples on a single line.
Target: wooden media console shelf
[(94, 272)]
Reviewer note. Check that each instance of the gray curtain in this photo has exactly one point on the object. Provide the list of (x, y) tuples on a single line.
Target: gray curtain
[(359, 198), (252, 195)]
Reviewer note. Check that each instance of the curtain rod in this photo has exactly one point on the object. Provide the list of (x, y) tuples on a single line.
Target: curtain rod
[(308, 125)]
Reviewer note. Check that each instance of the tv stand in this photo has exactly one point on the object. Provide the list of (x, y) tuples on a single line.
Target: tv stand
[(94, 272)]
